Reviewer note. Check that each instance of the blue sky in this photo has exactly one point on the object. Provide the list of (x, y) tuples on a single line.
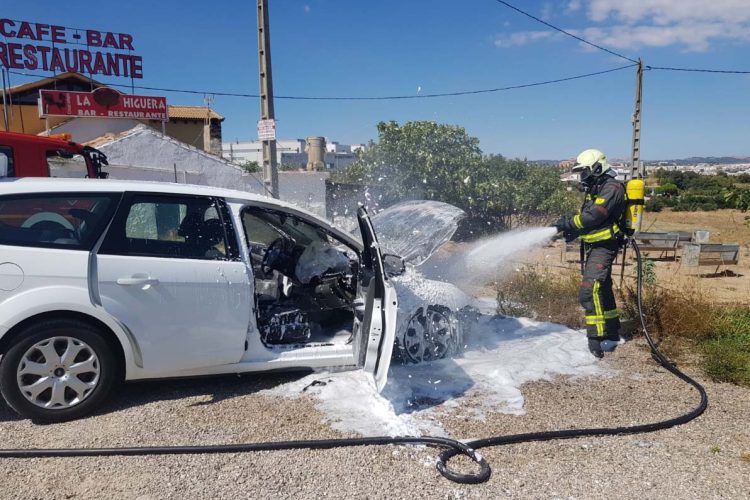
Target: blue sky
[(397, 47)]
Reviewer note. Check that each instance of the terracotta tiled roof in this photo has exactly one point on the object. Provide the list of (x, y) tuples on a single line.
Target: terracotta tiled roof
[(192, 113), (16, 89)]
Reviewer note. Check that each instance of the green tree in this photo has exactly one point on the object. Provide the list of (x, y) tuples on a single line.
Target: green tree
[(738, 198), (431, 158), (442, 162), (251, 167), (667, 189)]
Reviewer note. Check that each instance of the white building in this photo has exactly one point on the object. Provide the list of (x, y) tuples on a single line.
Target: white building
[(143, 153), (290, 153)]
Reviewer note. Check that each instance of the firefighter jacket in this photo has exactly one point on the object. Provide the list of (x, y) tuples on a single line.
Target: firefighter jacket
[(601, 213)]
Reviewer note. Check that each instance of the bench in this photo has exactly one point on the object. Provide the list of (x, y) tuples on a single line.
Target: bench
[(573, 247), (710, 254), (659, 242)]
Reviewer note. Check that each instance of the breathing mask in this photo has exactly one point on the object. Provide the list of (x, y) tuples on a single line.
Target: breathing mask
[(589, 176)]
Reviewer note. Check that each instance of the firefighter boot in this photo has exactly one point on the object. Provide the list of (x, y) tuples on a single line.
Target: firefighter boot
[(598, 346), (595, 348)]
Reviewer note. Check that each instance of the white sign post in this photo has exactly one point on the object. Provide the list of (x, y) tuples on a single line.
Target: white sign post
[(266, 130)]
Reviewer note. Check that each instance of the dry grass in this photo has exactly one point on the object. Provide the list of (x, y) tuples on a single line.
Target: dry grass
[(727, 354), (683, 323), (727, 226), (536, 293), (671, 314)]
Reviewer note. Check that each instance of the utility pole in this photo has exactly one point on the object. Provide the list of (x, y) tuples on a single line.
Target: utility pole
[(635, 166), (5, 104), (270, 171)]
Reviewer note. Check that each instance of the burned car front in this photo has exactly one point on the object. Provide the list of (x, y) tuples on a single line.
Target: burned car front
[(433, 316)]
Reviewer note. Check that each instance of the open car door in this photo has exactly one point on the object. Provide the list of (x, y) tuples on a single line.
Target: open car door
[(378, 330)]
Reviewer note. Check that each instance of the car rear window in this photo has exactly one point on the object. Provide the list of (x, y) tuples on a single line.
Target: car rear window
[(55, 220)]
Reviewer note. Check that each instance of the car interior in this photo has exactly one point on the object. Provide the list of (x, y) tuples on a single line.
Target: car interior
[(186, 230), (57, 221), (305, 280)]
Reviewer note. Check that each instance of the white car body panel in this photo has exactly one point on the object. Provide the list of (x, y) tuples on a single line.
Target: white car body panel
[(196, 319), (382, 325), (205, 304)]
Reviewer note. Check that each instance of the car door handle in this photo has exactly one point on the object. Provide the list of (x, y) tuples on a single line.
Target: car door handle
[(137, 281)]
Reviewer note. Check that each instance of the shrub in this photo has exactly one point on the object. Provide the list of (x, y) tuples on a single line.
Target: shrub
[(727, 356), (654, 205), (442, 162), (542, 295), (687, 314), (676, 319)]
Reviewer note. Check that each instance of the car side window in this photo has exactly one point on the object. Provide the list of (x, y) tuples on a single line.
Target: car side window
[(55, 220), (169, 226), (6, 162)]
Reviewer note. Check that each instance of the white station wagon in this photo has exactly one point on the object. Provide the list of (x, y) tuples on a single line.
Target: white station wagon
[(103, 281)]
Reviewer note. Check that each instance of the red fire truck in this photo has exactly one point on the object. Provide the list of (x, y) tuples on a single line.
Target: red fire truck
[(24, 155)]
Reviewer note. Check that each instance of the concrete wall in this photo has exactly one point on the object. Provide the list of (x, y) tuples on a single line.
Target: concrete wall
[(145, 154), (305, 189)]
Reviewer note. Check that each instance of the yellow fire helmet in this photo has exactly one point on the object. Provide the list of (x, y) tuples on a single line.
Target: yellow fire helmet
[(592, 158)]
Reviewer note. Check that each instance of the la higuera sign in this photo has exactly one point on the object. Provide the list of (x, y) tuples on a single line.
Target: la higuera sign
[(102, 103), (48, 47)]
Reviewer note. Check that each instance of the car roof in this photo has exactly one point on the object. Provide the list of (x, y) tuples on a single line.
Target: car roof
[(27, 185), (61, 185)]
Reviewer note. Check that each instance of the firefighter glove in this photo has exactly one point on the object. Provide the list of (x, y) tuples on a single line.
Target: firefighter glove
[(567, 228), (565, 224)]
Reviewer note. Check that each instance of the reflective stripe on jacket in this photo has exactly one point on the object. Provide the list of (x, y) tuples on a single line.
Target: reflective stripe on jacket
[(597, 220)]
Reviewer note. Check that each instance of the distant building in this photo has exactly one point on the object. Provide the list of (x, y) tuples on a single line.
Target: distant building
[(290, 153)]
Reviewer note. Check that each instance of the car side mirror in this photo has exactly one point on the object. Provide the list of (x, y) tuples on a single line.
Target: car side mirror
[(393, 265)]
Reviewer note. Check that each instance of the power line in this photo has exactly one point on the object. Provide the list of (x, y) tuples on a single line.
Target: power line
[(354, 98), (566, 32), (361, 98), (666, 68), (699, 70)]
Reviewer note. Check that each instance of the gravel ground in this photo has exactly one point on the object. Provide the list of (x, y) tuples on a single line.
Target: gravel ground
[(707, 458)]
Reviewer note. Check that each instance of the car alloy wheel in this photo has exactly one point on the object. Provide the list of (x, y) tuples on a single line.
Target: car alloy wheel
[(59, 369), (430, 334), (58, 373)]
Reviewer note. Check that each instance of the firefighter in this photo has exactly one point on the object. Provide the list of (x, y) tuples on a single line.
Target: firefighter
[(598, 225)]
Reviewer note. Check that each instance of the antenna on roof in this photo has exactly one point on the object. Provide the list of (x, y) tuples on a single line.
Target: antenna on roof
[(208, 99)]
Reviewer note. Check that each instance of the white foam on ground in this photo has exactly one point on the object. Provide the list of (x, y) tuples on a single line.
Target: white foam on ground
[(502, 354)]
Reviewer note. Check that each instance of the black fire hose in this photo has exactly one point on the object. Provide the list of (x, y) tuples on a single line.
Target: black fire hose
[(451, 447), (607, 431)]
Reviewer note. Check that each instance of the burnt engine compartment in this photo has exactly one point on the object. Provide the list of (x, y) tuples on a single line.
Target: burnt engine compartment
[(303, 310)]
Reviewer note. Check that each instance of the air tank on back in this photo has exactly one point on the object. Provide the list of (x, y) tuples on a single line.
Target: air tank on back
[(316, 152)]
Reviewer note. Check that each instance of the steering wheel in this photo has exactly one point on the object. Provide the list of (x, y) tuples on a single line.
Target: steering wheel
[(273, 252)]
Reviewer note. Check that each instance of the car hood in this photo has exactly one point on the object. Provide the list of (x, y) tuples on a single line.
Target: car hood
[(415, 229)]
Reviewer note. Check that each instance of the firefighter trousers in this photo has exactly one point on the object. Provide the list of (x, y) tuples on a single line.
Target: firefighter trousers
[(596, 295)]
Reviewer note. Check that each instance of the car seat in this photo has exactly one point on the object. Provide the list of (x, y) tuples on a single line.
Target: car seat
[(201, 236)]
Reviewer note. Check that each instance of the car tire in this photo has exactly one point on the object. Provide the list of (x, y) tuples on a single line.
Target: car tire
[(419, 344), (58, 370)]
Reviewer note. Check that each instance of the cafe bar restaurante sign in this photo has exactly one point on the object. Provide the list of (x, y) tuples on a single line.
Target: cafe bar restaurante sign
[(47, 47)]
